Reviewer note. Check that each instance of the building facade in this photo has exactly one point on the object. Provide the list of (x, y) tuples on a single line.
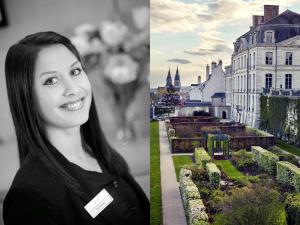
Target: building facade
[(266, 60)]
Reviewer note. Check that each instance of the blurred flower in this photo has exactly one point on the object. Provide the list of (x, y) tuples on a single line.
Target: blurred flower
[(121, 69), (122, 57), (141, 17), (84, 29), (113, 33)]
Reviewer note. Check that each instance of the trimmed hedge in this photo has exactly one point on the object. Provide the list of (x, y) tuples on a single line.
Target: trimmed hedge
[(193, 205), (214, 175), (196, 212), (288, 173), (201, 157), (258, 132), (265, 159), (292, 208)]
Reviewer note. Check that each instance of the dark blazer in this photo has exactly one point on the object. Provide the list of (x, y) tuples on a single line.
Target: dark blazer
[(36, 198)]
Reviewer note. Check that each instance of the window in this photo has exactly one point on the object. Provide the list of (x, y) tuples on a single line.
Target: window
[(268, 83), (245, 62), (238, 62), (242, 62), (253, 60), (250, 65), (288, 81), (269, 57), (253, 82), (249, 82), (288, 58), (269, 37)]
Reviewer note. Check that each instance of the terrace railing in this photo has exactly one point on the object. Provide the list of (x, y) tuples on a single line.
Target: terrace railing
[(191, 119), (245, 142), (186, 145)]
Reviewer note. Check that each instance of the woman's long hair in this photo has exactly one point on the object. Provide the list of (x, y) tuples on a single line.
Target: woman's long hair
[(31, 138)]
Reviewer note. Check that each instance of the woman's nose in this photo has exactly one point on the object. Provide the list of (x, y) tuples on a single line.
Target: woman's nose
[(71, 88)]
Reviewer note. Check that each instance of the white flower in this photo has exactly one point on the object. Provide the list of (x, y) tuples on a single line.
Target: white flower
[(84, 29), (121, 69), (113, 33), (141, 17), (82, 44)]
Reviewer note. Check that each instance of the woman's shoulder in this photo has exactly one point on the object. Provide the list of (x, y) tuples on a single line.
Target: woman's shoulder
[(33, 177)]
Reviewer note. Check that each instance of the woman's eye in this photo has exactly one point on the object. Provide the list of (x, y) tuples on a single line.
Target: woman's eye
[(51, 81), (76, 71)]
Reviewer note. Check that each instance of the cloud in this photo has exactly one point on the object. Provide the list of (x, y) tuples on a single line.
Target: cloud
[(178, 16), (180, 61), (155, 51)]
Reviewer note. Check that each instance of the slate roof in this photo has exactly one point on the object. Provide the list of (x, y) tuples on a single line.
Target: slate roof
[(218, 95), (195, 103), (286, 25)]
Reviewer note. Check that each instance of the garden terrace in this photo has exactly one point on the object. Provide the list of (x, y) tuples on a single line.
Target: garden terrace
[(244, 140), (185, 140), (186, 145), (189, 130), (193, 119), (238, 192)]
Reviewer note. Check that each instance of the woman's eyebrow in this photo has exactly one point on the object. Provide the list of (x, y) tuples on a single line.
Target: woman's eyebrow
[(48, 72), (52, 72), (74, 63)]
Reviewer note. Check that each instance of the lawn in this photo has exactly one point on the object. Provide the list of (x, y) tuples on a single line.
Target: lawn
[(155, 187), (179, 161), (228, 169), (289, 148)]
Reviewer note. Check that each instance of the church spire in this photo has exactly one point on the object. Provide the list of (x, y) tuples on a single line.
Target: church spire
[(177, 82)]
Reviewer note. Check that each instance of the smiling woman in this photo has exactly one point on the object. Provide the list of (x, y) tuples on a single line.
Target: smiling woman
[(69, 174)]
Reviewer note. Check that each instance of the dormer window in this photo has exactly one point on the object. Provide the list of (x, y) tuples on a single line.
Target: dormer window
[(269, 37), (254, 39)]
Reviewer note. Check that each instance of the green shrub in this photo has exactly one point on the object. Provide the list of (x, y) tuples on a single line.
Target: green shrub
[(171, 132), (252, 206), (210, 129), (288, 173), (201, 157), (243, 160), (292, 208), (265, 159), (214, 175)]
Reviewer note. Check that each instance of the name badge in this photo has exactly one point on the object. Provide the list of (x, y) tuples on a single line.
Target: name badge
[(98, 203)]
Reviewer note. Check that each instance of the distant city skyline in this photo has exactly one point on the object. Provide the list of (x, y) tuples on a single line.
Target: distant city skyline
[(192, 33)]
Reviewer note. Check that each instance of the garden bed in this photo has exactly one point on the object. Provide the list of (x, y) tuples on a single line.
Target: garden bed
[(244, 187)]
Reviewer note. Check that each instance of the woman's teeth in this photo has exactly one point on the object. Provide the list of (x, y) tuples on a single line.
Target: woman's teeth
[(74, 105)]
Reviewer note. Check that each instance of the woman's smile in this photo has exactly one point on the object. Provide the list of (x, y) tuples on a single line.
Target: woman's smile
[(74, 105)]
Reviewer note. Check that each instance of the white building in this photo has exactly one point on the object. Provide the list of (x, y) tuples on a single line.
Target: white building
[(214, 83), (266, 60)]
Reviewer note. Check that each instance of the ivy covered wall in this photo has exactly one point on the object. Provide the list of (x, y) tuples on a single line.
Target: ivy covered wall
[(281, 117)]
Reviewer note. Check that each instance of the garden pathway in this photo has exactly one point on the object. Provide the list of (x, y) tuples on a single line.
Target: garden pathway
[(172, 209)]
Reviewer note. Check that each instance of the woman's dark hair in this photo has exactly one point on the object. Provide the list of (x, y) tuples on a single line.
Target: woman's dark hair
[(19, 72)]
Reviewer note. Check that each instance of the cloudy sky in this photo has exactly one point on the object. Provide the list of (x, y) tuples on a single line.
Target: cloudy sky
[(192, 33)]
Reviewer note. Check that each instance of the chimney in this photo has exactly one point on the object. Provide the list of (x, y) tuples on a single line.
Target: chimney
[(257, 20), (220, 62), (213, 65), (207, 71), (270, 11), (199, 80)]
